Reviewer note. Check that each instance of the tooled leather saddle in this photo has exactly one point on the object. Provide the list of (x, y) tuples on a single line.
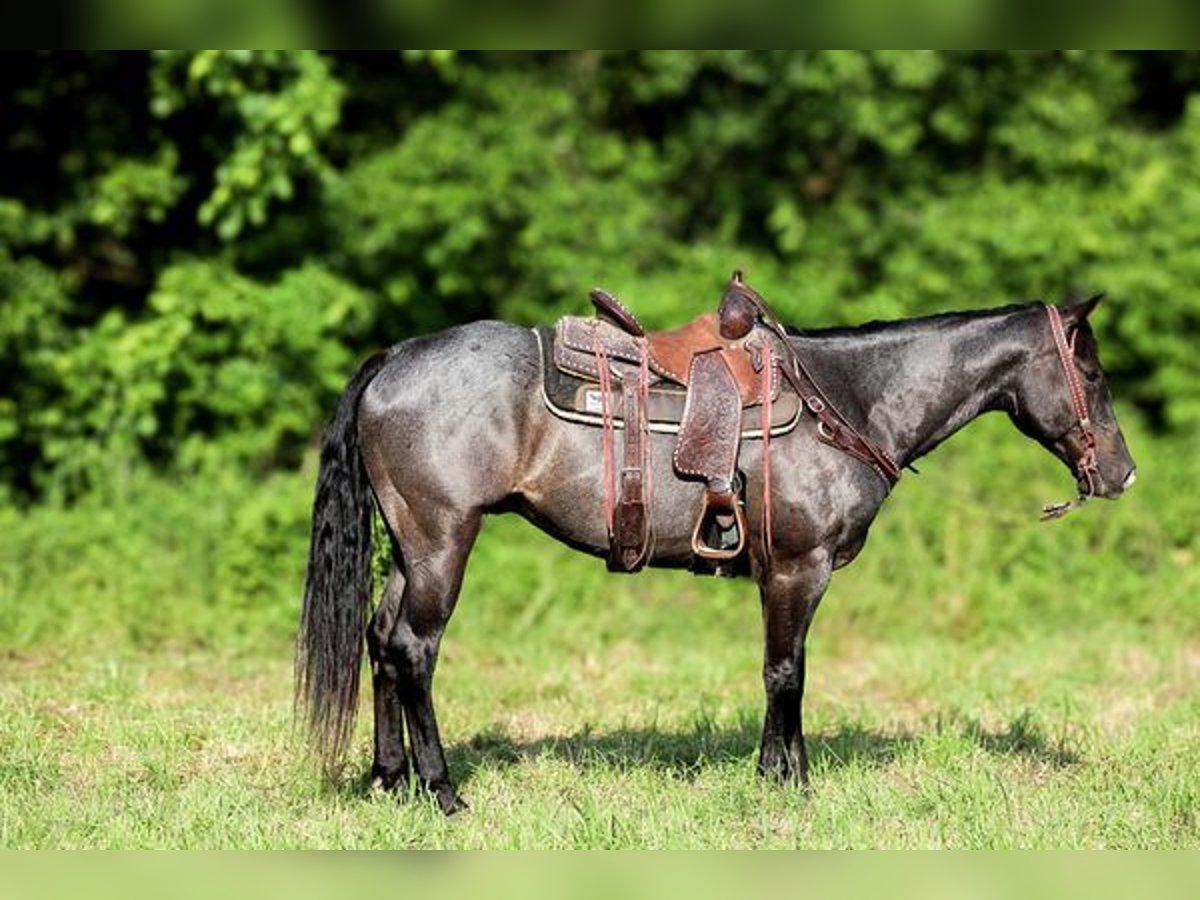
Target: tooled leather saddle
[(722, 378)]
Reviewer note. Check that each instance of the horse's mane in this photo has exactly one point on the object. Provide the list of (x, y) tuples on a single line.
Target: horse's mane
[(893, 326)]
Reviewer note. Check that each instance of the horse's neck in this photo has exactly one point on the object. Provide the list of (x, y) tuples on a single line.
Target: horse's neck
[(915, 383)]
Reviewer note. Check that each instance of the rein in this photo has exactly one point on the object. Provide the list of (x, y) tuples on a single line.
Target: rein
[(1086, 468)]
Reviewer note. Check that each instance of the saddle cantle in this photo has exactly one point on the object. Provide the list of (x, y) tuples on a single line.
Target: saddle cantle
[(720, 379)]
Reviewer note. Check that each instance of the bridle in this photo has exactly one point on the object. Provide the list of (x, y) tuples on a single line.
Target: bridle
[(1086, 467)]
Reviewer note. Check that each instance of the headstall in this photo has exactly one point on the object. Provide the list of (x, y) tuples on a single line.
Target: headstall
[(1086, 467)]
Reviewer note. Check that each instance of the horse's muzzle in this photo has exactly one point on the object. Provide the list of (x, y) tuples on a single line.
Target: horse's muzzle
[(1129, 479), (1111, 490)]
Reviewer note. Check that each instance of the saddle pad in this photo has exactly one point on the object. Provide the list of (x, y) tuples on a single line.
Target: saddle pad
[(578, 400)]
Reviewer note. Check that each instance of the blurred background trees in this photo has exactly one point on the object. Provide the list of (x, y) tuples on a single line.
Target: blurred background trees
[(195, 248)]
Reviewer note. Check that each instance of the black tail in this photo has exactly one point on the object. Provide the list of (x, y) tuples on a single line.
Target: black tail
[(337, 592)]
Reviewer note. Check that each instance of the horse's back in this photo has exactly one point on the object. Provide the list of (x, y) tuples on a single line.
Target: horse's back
[(476, 359)]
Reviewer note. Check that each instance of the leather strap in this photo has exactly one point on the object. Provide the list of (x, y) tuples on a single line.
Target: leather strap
[(631, 525), (1086, 468), (627, 495), (832, 427), (768, 363), (606, 427)]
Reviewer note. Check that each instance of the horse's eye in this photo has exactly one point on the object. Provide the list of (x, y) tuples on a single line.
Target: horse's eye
[(1091, 375)]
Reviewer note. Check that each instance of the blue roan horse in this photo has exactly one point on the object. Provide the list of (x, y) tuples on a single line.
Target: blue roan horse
[(439, 430)]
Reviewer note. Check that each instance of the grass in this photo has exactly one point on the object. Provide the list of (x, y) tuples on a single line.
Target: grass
[(976, 680), (1087, 740)]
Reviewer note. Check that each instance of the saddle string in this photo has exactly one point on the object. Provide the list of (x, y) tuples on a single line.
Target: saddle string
[(606, 430), (768, 362), (647, 450)]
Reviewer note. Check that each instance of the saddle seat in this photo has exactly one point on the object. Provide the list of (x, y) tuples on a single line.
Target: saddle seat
[(671, 352)]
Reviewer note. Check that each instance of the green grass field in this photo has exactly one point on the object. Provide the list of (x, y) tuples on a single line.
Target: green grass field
[(976, 679)]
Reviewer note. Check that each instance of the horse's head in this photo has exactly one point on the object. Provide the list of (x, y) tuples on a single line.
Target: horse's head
[(1065, 405)]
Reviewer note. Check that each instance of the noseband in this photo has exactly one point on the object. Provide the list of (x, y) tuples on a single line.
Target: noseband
[(1086, 467)]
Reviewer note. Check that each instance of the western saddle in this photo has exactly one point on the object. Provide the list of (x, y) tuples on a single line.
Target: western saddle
[(729, 368)]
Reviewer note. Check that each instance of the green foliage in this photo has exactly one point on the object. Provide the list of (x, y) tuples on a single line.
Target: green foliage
[(214, 561), (282, 105), (195, 247), (501, 202), (32, 332), (135, 190), (220, 357)]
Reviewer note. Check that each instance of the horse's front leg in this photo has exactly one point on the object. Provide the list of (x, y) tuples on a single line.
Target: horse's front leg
[(791, 590)]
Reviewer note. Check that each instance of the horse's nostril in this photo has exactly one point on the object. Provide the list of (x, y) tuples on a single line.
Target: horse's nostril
[(1129, 479)]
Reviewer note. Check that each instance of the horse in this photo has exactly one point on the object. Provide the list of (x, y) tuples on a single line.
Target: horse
[(439, 430)]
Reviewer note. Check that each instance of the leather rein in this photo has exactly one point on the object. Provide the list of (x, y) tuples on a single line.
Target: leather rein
[(1086, 466)]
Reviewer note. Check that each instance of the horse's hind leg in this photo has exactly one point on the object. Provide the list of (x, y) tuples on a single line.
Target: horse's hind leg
[(389, 771), (408, 634)]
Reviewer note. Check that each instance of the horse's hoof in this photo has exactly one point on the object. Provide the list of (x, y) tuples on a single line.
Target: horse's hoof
[(451, 804), (393, 783), (784, 772)]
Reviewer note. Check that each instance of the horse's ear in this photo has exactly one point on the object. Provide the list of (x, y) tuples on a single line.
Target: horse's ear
[(1079, 311)]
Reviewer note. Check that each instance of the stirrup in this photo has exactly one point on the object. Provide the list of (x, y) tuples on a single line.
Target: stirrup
[(726, 503)]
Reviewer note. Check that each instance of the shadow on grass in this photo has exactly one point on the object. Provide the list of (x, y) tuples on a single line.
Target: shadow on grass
[(1023, 736), (684, 753)]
